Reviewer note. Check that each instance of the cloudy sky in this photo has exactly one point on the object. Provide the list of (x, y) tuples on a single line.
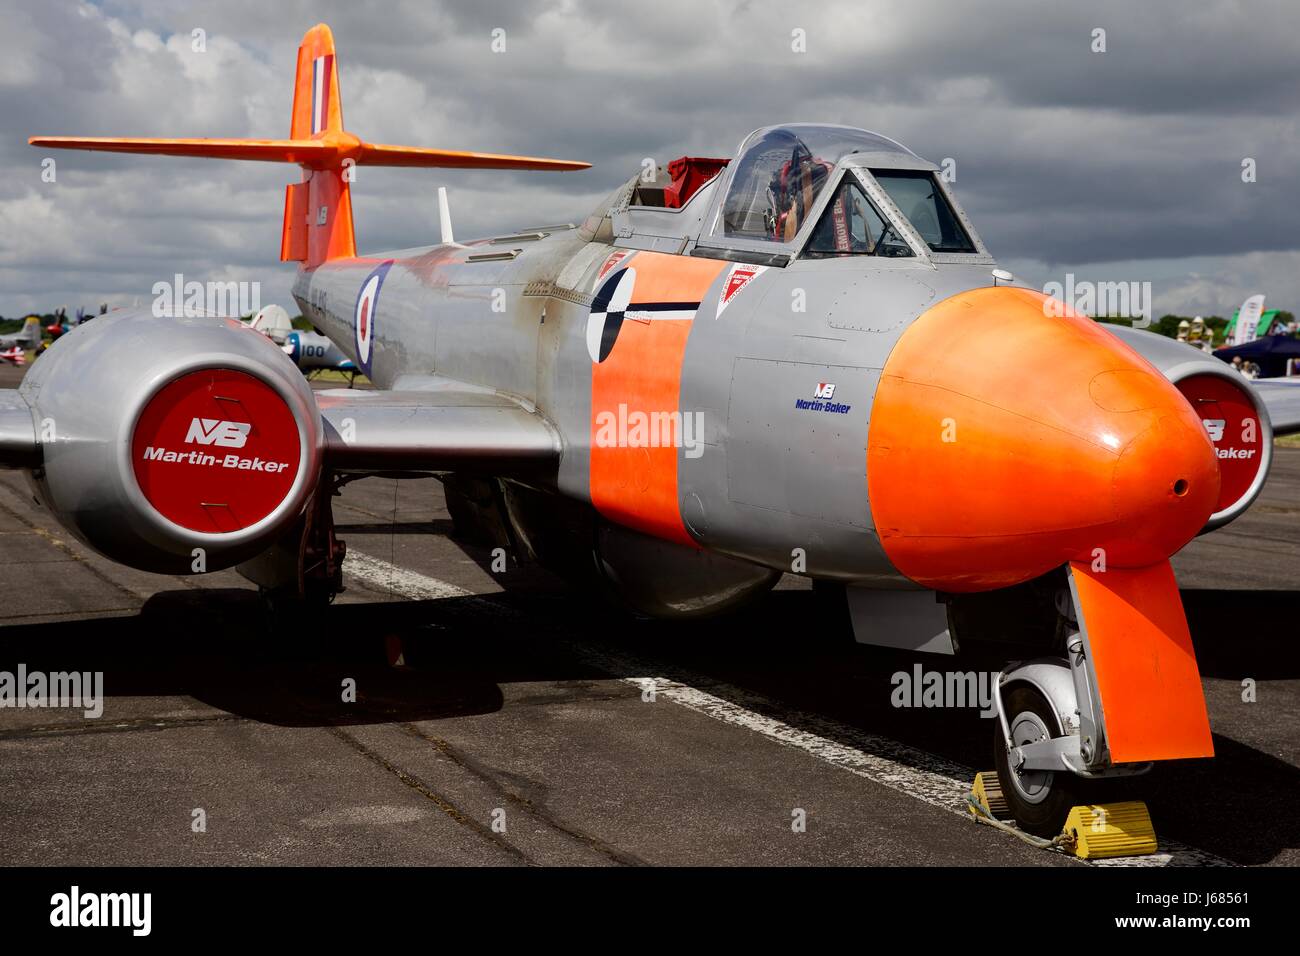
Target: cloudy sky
[(1122, 164)]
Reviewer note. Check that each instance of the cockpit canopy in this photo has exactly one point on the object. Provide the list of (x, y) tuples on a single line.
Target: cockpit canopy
[(781, 170), (797, 190)]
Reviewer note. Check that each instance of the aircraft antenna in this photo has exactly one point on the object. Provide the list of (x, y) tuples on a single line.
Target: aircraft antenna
[(444, 217)]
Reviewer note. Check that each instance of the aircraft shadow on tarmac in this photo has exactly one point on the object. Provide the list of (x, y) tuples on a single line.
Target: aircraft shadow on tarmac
[(1242, 634), (438, 526), (215, 646)]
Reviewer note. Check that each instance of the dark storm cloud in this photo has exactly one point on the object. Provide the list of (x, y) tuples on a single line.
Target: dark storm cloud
[(1065, 157)]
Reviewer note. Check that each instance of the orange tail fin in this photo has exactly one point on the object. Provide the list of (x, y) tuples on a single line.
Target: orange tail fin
[(318, 210)]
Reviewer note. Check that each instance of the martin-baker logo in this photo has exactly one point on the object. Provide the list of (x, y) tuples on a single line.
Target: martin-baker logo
[(822, 401), (212, 431), (215, 431), (1214, 427)]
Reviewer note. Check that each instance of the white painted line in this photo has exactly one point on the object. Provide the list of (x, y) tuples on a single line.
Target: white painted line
[(924, 776), (383, 576)]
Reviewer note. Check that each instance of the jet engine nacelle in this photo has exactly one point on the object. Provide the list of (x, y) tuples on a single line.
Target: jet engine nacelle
[(174, 445), (1232, 412)]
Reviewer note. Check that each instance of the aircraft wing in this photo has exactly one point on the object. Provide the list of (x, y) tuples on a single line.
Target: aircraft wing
[(442, 427), (436, 426), (18, 447), (1282, 398)]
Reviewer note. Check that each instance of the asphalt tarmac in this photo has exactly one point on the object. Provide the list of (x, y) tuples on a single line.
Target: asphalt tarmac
[(504, 719)]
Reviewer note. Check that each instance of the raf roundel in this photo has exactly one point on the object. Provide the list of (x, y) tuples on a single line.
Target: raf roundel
[(363, 319), (607, 311)]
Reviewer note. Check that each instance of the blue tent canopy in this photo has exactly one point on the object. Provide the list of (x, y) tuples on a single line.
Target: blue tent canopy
[(1269, 352)]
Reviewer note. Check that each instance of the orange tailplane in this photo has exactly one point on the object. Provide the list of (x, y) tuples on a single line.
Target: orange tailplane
[(318, 210)]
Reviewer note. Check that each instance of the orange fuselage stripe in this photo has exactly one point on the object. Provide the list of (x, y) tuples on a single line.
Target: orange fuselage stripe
[(636, 485)]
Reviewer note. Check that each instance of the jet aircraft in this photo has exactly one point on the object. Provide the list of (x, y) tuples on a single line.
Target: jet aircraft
[(802, 358)]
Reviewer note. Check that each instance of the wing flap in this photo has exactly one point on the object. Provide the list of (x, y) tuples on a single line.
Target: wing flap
[(434, 430)]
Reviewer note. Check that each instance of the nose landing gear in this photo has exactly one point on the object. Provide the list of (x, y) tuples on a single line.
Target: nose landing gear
[(1039, 800), (1050, 746)]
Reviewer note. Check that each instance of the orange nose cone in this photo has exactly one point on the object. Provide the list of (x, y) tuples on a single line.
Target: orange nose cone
[(1007, 439)]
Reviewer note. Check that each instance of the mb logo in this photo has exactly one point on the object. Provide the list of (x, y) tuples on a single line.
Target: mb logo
[(824, 390), (213, 431), (1214, 426)]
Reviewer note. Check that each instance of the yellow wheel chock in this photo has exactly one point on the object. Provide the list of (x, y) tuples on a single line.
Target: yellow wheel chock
[(988, 792), (1105, 830), (1092, 832)]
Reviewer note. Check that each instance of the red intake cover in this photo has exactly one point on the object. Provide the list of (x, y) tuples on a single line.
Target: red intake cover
[(215, 450), (1234, 428)]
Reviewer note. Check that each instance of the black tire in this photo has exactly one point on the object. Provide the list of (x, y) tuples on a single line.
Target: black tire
[(1039, 800)]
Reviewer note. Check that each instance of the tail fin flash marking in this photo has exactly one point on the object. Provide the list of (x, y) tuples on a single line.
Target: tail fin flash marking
[(322, 67), (316, 105)]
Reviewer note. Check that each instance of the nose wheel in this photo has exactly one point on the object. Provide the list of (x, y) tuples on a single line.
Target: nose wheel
[(1040, 800)]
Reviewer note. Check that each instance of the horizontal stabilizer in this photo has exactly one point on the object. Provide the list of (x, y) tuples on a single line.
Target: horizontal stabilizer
[(328, 151), (305, 152), (379, 154)]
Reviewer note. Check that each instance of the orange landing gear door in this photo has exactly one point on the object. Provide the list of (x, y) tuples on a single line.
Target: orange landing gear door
[(1136, 639)]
